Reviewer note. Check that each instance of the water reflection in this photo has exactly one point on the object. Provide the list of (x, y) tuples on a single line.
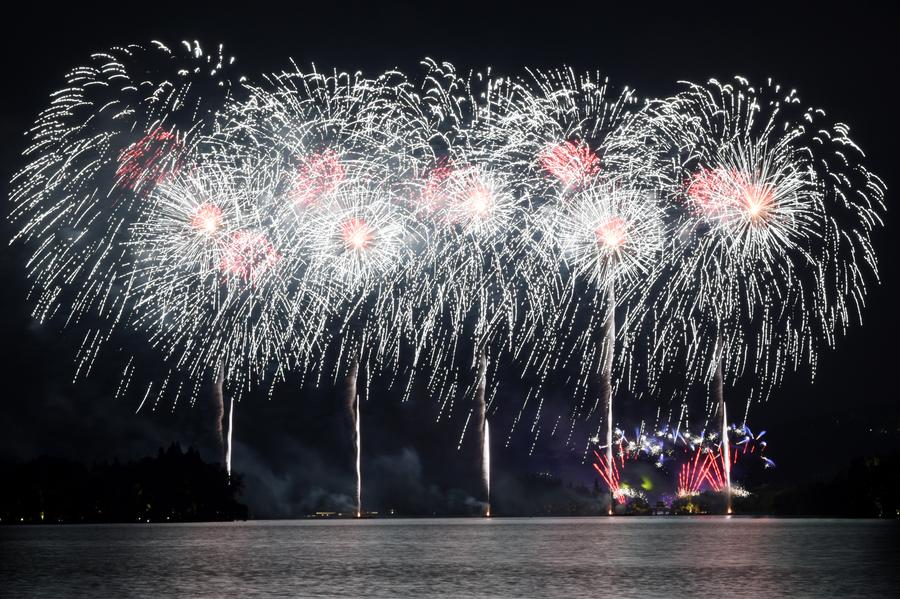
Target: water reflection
[(625, 557)]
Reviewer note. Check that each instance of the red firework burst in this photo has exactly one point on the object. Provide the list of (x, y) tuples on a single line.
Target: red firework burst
[(357, 234), (207, 219), (317, 176), (477, 200), (715, 192), (703, 190), (571, 163), (611, 233), (610, 474), (248, 254), (707, 467), (433, 196), (150, 160)]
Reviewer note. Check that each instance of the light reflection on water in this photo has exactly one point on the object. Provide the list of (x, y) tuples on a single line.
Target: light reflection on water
[(558, 557)]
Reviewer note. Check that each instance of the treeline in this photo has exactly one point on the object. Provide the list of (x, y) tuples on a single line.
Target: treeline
[(867, 488), (178, 486), (173, 486)]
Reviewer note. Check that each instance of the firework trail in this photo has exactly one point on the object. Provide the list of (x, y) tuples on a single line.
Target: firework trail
[(486, 465), (218, 396), (230, 440), (485, 432), (606, 392), (263, 191), (211, 284), (353, 410), (340, 149), (718, 389), (612, 239), (359, 245)]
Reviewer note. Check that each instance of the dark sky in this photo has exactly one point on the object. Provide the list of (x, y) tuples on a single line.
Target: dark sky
[(293, 448)]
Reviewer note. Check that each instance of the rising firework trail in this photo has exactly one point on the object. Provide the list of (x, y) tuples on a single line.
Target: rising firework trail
[(606, 393), (719, 392), (361, 240), (340, 146), (473, 206), (230, 439), (213, 283), (485, 453), (218, 397), (605, 240), (352, 400)]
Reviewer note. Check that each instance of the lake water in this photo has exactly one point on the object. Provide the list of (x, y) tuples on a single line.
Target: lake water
[(527, 557)]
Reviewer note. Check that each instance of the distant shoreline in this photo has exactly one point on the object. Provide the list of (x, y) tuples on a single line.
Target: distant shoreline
[(305, 519)]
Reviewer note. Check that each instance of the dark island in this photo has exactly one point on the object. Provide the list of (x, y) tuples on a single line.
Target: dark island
[(173, 486)]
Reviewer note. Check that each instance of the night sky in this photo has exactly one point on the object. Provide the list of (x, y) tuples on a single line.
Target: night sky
[(294, 449)]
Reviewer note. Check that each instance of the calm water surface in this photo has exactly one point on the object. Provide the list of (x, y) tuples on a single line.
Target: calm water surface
[(553, 557)]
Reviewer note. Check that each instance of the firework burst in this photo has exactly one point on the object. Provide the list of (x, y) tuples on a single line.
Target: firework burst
[(212, 266), (760, 266), (120, 126)]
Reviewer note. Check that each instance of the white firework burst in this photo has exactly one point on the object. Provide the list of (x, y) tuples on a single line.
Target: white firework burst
[(611, 236)]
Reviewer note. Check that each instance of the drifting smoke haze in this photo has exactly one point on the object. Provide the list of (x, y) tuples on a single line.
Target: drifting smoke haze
[(286, 478)]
